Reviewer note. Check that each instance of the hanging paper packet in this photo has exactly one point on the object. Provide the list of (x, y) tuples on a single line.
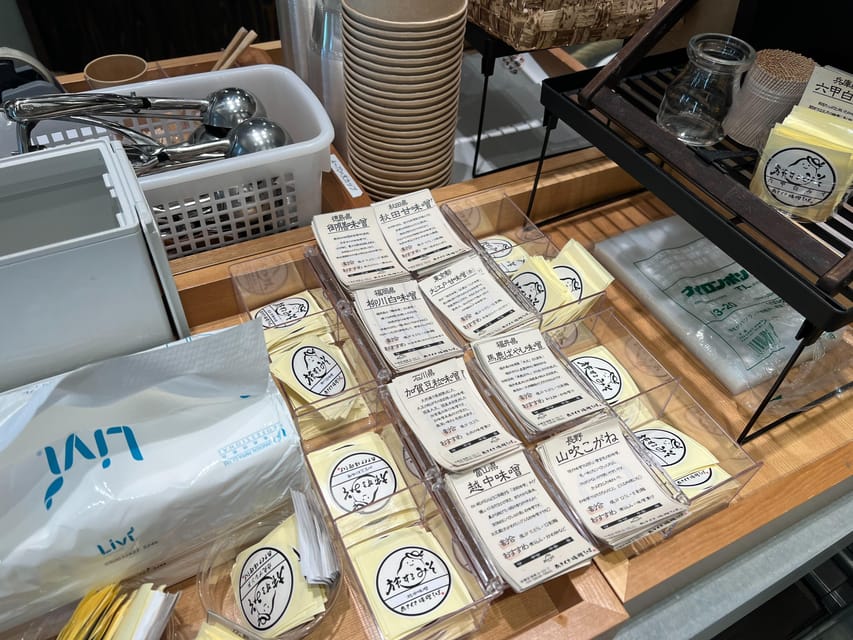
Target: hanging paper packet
[(583, 276), (446, 413), (360, 475), (409, 581), (517, 522), (540, 389), (353, 245), (402, 326), (473, 300), (417, 232), (612, 490), (506, 254), (271, 593)]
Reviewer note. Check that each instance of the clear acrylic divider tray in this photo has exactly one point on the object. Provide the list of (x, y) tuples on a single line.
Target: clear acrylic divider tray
[(502, 407), (366, 475), (502, 231), (421, 579), (615, 362), (720, 474), (217, 593), (479, 221)]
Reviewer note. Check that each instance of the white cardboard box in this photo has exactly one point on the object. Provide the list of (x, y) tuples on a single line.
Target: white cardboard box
[(83, 272)]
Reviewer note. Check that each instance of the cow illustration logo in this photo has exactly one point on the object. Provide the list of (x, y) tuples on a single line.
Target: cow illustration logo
[(361, 482), (413, 581), (266, 587), (799, 177), (317, 371)]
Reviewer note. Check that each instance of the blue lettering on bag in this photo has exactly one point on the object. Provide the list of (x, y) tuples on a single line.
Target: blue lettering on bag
[(76, 448)]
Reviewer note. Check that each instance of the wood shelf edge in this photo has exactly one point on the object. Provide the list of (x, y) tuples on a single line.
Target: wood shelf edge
[(634, 578)]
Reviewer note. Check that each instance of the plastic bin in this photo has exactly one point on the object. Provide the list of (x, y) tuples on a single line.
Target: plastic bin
[(230, 200)]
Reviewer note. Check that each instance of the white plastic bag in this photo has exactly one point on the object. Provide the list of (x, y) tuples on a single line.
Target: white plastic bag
[(120, 467)]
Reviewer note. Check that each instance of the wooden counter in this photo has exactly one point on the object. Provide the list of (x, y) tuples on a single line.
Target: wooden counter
[(806, 462)]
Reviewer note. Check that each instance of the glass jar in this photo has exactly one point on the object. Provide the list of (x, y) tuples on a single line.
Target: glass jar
[(696, 102)]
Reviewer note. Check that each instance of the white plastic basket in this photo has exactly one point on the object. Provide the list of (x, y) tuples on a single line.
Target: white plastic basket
[(225, 201)]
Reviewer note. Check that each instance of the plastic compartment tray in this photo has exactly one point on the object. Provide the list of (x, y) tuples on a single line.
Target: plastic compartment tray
[(605, 337), (214, 577), (225, 201), (459, 550), (268, 279)]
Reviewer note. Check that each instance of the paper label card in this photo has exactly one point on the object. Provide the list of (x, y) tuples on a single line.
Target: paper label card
[(472, 299), (449, 417), (610, 488), (541, 389), (829, 91), (355, 248), (417, 232), (402, 325), (519, 525)]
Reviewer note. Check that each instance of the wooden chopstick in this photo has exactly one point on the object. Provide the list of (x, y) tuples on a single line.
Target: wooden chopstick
[(235, 41), (248, 39)]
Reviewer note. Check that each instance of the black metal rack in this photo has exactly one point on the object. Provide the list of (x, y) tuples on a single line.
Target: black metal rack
[(810, 266)]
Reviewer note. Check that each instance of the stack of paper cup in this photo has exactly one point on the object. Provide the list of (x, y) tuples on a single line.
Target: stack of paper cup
[(402, 65)]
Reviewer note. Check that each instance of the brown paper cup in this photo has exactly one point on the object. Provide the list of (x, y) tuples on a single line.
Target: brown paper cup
[(114, 69)]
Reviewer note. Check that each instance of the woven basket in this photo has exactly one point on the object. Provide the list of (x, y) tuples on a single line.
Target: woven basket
[(540, 24)]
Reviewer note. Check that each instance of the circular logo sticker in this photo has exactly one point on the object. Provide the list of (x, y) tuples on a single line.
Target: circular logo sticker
[(664, 445), (799, 177), (283, 313), (497, 247), (602, 374), (572, 279), (266, 586), (360, 482), (531, 285), (412, 581), (317, 371)]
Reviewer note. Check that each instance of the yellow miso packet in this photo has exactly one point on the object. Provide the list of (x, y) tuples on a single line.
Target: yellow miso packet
[(408, 581), (677, 453), (271, 593), (802, 175), (361, 476), (538, 282), (506, 254), (583, 276)]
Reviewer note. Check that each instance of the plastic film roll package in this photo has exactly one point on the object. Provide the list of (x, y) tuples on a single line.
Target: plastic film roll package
[(737, 327), (130, 465)]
